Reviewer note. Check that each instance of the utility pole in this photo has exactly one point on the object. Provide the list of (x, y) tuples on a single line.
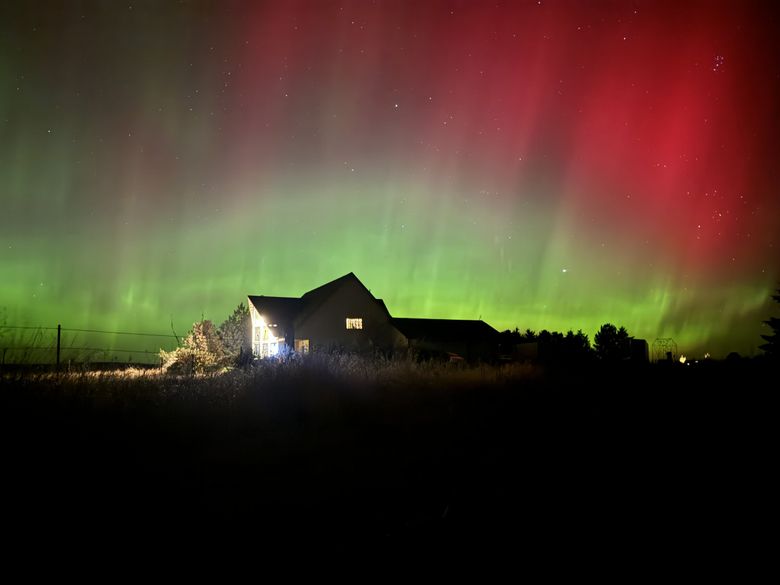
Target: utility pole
[(59, 331)]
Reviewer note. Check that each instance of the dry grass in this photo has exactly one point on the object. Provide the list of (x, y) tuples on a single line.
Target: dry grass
[(368, 449), (301, 374)]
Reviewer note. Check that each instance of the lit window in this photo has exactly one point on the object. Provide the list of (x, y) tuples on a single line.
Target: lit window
[(354, 323), (302, 345), (265, 343)]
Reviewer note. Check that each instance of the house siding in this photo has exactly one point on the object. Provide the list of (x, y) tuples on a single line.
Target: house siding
[(325, 328)]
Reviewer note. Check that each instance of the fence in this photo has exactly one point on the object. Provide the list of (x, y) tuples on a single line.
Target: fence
[(26, 345)]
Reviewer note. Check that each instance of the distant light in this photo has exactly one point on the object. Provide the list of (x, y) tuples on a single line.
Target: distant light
[(683, 359), (564, 269), (706, 356)]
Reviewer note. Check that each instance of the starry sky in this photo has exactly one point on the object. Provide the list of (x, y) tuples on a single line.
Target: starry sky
[(535, 164)]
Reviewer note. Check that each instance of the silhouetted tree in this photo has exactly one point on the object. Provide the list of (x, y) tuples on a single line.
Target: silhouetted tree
[(235, 333), (553, 347), (528, 336), (576, 347), (510, 337), (772, 346), (612, 344)]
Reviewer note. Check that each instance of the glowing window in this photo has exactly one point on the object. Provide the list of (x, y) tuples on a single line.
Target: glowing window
[(265, 343), (354, 323), (302, 345)]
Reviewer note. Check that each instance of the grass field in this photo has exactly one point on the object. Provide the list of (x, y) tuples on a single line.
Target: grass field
[(373, 453)]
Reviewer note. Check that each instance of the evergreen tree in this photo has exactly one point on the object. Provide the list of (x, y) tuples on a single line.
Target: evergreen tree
[(529, 335), (772, 346), (576, 346), (611, 343), (235, 333)]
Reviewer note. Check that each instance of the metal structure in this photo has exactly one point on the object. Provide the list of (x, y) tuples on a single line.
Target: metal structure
[(664, 349)]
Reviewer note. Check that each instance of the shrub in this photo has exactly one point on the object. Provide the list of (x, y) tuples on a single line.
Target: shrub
[(201, 352)]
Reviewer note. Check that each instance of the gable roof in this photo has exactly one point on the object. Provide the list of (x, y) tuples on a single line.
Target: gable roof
[(316, 296), (290, 309), (277, 309), (325, 290), (444, 329)]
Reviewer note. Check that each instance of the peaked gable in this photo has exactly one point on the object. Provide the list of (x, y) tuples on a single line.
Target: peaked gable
[(315, 298), (291, 311)]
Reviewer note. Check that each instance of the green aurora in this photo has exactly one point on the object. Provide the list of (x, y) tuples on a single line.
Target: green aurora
[(161, 163)]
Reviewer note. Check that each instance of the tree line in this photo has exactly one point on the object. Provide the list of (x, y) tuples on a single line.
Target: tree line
[(610, 344), (772, 346)]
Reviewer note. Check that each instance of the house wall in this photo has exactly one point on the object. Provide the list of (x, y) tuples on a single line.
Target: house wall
[(255, 317), (326, 327), (282, 332)]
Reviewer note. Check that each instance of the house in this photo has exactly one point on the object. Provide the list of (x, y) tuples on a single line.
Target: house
[(468, 339), (344, 314)]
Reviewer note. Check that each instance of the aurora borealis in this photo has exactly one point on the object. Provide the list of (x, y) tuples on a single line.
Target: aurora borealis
[(535, 164)]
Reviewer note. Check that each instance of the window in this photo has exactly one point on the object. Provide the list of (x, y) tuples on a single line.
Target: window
[(264, 342), (302, 345), (354, 323)]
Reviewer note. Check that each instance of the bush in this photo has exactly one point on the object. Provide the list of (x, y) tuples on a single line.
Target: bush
[(201, 352)]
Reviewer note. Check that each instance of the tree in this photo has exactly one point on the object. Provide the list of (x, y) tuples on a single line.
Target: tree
[(201, 351), (235, 333), (576, 346), (612, 344), (772, 346), (529, 336)]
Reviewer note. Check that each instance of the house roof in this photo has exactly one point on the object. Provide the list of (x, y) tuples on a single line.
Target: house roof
[(325, 290), (282, 310), (290, 309), (381, 303), (286, 311), (444, 329), (314, 298)]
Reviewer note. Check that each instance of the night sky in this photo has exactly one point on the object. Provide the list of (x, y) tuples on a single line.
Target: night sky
[(535, 164)]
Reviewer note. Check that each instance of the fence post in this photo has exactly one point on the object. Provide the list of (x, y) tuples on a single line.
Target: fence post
[(59, 331)]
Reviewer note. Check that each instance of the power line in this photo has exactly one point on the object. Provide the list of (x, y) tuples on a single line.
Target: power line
[(91, 331), (64, 349), (120, 332), (14, 350), (19, 327)]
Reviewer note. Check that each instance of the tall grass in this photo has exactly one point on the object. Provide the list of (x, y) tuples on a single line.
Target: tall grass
[(367, 447), (302, 375)]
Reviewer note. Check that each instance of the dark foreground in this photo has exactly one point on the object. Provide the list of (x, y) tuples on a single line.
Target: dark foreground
[(655, 463)]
